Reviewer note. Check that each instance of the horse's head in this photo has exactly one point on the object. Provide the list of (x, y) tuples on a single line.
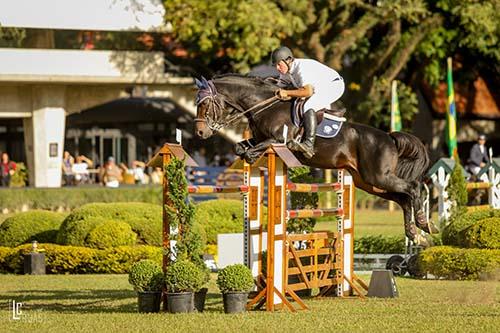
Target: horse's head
[(224, 99)]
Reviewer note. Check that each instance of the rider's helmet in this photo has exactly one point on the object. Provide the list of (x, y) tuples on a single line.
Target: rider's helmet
[(281, 53)]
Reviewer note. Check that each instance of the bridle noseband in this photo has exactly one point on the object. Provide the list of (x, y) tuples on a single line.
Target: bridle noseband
[(207, 91)]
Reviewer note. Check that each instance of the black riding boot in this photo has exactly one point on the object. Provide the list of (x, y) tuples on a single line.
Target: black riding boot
[(310, 124)]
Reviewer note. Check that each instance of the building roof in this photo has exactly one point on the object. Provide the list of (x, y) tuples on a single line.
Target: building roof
[(131, 110)]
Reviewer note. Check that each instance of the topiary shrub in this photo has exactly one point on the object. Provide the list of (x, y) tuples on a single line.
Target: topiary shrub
[(111, 233), (458, 264), (218, 217), (484, 234), (61, 259), (144, 219), (235, 278), (26, 227), (146, 275), (454, 233), (379, 244), (184, 276)]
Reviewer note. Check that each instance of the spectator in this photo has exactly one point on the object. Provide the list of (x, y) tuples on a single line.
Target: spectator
[(81, 169), (7, 169), (156, 176), (67, 169), (478, 157), (138, 172), (112, 175), (200, 157)]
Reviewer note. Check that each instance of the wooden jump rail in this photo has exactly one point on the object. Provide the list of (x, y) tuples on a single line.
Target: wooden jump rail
[(308, 213), (209, 189), (326, 187)]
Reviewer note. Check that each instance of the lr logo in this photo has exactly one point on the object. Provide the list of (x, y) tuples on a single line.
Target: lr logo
[(16, 310)]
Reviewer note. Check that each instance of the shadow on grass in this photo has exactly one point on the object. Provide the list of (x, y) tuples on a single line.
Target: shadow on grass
[(85, 301), (88, 301)]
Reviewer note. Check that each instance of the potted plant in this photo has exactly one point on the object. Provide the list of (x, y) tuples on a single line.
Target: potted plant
[(235, 282), (201, 294), (147, 278), (181, 279)]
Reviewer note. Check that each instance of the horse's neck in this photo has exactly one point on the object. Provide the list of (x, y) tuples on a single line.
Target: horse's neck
[(244, 95)]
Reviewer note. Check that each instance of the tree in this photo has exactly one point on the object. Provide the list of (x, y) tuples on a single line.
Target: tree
[(371, 42)]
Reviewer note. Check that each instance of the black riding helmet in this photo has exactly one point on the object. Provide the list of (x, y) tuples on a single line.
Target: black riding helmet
[(282, 53)]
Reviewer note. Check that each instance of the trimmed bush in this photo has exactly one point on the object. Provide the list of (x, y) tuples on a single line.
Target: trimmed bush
[(26, 227), (183, 276), (70, 198), (454, 233), (144, 219), (218, 217), (379, 244), (485, 234), (459, 264), (235, 278), (62, 259), (146, 275), (111, 233)]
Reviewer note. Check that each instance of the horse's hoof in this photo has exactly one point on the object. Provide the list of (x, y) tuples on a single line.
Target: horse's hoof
[(420, 240), (239, 150)]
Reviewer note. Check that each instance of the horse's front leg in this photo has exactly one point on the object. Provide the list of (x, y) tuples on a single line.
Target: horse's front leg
[(253, 153), (241, 147)]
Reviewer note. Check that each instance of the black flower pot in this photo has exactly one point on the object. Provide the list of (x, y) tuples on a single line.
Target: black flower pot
[(149, 301), (235, 301), (199, 299), (180, 302)]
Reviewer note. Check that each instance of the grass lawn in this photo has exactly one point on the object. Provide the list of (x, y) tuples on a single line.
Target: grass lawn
[(106, 303)]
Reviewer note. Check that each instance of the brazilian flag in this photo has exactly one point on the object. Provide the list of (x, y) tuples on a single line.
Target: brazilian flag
[(395, 114), (451, 116)]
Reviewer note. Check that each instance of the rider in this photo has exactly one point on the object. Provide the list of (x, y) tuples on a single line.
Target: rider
[(311, 79)]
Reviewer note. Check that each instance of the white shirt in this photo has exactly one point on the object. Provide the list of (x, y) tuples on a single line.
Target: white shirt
[(309, 71)]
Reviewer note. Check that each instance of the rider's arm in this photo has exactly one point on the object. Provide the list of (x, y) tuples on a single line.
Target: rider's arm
[(305, 91)]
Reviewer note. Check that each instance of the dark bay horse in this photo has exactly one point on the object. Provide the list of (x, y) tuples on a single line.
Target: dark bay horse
[(391, 166)]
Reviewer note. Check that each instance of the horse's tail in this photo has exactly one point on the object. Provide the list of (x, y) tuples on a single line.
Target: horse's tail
[(413, 160)]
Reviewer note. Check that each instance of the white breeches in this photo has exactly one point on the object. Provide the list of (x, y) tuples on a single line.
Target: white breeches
[(325, 95)]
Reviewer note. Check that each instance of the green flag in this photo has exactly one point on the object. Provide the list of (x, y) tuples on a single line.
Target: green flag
[(451, 116), (395, 114)]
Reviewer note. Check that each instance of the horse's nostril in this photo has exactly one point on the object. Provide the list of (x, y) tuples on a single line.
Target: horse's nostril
[(200, 133)]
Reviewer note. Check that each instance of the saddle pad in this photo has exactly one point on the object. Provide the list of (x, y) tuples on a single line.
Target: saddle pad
[(328, 128)]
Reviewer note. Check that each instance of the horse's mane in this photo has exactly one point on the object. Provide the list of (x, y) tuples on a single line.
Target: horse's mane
[(248, 80)]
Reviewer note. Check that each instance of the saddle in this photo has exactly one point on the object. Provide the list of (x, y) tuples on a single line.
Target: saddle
[(334, 113), (329, 120)]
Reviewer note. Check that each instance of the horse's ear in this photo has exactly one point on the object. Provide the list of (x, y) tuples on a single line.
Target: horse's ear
[(204, 81), (198, 83)]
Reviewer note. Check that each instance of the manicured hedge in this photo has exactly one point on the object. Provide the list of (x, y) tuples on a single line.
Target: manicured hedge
[(62, 259), (219, 216), (485, 234), (379, 244), (459, 264), (144, 219), (26, 227), (111, 233), (455, 233), (14, 199)]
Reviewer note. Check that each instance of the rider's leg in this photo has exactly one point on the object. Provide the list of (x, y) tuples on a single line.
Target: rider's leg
[(310, 125)]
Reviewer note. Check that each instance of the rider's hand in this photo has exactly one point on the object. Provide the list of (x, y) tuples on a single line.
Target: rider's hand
[(282, 94)]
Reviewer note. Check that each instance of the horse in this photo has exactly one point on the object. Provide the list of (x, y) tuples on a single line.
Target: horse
[(389, 165)]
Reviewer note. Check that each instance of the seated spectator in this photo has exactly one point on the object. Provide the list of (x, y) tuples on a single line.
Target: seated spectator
[(7, 169), (67, 169), (157, 176), (478, 157), (81, 169), (138, 172), (111, 174)]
